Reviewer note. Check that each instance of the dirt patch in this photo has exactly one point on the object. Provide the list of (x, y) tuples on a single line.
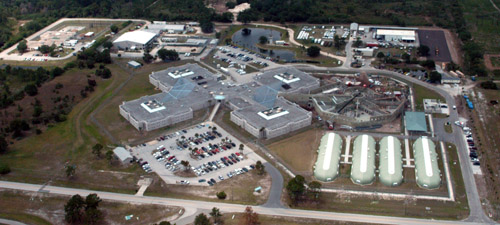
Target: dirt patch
[(184, 173), (492, 62), (218, 5)]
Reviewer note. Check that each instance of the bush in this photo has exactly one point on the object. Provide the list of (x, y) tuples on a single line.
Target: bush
[(489, 85), (230, 5), (221, 195), (313, 51), (4, 169), (31, 89)]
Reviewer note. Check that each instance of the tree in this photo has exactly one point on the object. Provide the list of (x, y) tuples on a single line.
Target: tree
[(221, 195), (4, 146), (31, 89), (336, 42), (263, 40), (242, 147), (4, 168), (380, 55), (423, 50), (250, 217), (245, 31), (230, 5), (185, 163), (109, 155), (430, 64), (107, 44), (114, 29), (96, 150), (206, 25), (489, 85), (315, 188), (216, 215), (57, 71), (259, 167), (70, 170), (313, 51), (296, 188), (22, 47), (74, 209), (92, 201), (165, 54), (164, 223), (45, 49), (148, 58), (357, 43), (406, 57), (435, 77), (201, 219)]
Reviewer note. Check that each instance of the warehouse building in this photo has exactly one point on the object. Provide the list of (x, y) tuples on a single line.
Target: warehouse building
[(396, 35), (136, 40), (156, 111), (123, 155), (426, 166), (363, 160), (391, 163), (327, 165)]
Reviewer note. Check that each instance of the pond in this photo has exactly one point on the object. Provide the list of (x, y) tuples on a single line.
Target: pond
[(249, 42)]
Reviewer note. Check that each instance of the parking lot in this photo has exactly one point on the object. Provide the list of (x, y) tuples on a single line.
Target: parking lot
[(212, 153)]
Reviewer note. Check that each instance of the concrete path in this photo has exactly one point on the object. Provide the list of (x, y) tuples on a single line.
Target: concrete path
[(144, 183), (347, 148), (10, 222), (447, 172), (214, 111)]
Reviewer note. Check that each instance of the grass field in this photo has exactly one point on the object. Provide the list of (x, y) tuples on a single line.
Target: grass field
[(420, 93), (271, 220), (298, 151), (483, 22), (41, 209), (239, 189)]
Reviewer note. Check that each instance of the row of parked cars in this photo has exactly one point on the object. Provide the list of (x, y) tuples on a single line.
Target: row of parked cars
[(230, 174), (214, 165), (470, 143), (213, 149)]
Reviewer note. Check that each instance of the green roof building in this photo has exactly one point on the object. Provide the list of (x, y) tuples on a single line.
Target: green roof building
[(363, 160), (426, 166), (415, 121), (327, 165), (391, 162)]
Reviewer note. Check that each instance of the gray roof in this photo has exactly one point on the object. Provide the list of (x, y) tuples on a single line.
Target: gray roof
[(427, 171), (415, 121), (391, 163), (306, 80), (172, 104), (327, 164), (163, 77), (363, 160), (296, 113), (122, 154)]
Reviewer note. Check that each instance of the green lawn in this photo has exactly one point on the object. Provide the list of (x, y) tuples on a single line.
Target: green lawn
[(420, 93)]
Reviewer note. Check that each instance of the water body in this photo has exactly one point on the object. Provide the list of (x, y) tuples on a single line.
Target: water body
[(250, 41)]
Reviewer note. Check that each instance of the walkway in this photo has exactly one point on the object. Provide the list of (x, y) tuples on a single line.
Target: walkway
[(214, 111)]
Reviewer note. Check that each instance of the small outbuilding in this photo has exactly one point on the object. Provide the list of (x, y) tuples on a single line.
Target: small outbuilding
[(123, 155), (134, 64), (415, 122)]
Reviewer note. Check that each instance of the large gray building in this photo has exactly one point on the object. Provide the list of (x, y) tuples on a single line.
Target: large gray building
[(134, 40)]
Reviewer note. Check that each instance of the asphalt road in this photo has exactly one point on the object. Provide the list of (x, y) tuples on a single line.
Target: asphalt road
[(476, 211), (228, 208)]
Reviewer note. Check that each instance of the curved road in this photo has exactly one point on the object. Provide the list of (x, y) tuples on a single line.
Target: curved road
[(224, 207), (476, 211)]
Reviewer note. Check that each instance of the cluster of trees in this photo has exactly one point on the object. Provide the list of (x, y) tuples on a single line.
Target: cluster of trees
[(33, 78), (103, 72), (170, 55), (83, 211), (489, 85), (313, 51), (89, 57), (297, 190)]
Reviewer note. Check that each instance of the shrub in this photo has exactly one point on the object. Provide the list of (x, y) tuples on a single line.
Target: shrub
[(221, 195), (4, 169), (489, 85), (313, 51)]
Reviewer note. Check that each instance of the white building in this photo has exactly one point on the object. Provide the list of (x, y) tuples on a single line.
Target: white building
[(134, 40), (396, 35), (123, 155)]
